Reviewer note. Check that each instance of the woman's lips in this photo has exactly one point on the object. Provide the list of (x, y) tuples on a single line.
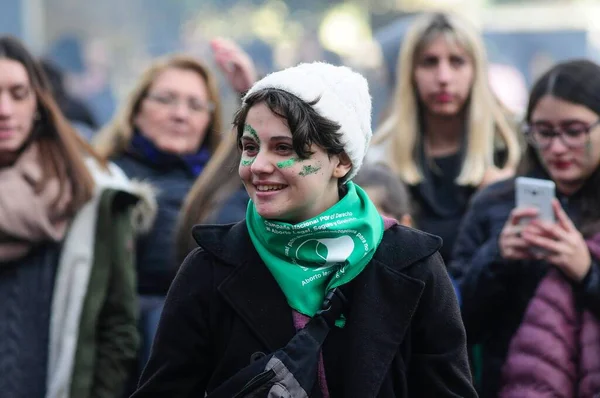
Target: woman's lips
[(6, 133), (443, 97), (562, 165), (261, 194)]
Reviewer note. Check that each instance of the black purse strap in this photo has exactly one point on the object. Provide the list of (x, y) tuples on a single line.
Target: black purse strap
[(297, 357), (333, 306)]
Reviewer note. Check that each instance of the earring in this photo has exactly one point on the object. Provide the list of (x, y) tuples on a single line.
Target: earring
[(36, 116)]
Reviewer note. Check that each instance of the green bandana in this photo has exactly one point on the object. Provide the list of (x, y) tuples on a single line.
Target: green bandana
[(312, 257)]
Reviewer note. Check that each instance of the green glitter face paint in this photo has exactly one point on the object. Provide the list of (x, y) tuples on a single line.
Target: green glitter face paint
[(248, 129), (308, 170), (287, 163), (252, 133), (247, 162)]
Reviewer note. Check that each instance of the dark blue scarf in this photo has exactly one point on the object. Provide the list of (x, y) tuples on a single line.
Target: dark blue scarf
[(141, 146)]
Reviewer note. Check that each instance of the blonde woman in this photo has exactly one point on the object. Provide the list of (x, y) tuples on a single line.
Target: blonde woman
[(217, 196), (446, 135), (166, 134)]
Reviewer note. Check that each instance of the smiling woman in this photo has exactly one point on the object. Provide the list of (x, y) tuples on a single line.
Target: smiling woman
[(165, 134), (296, 192), (310, 235)]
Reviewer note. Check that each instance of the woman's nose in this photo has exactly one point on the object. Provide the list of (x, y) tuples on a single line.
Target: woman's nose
[(262, 164)]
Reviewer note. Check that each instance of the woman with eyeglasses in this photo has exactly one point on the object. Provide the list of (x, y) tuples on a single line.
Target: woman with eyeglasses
[(166, 134), (531, 289)]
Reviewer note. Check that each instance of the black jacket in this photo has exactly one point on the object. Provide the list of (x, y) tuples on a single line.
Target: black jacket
[(403, 336), (495, 292), (156, 261)]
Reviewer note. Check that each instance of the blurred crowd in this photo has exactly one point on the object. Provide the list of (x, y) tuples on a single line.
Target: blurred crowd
[(99, 197)]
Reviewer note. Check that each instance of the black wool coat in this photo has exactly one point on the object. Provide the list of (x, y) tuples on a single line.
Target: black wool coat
[(403, 337)]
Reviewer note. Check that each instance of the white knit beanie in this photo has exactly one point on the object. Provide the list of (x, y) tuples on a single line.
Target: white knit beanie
[(343, 98)]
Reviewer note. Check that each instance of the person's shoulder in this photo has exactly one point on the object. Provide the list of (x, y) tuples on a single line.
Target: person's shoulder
[(113, 185), (195, 276), (230, 244), (221, 249), (403, 246), (131, 165), (196, 263)]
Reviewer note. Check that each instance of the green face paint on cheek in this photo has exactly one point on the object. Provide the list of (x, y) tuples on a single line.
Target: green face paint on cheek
[(247, 162), (308, 170), (287, 163), (248, 129)]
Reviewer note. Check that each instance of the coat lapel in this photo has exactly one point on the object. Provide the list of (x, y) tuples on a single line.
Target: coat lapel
[(250, 289), (385, 301)]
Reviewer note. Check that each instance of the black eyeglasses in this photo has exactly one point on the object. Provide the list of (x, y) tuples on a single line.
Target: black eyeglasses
[(574, 134)]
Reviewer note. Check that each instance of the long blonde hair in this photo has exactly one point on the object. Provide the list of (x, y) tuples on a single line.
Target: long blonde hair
[(216, 183), (401, 131), (117, 135)]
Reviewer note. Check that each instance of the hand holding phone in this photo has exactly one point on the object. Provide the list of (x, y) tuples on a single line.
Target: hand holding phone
[(560, 244), (511, 243)]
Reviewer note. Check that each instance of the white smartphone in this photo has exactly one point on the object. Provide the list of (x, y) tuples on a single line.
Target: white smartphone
[(538, 193)]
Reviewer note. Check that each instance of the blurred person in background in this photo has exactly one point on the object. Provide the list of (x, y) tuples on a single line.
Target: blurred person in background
[(310, 49), (74, 109), (446, 135), (86, 65), (547, 302), (217, 197), (262, 54), (390, 195), (166, 133), (67, 275)]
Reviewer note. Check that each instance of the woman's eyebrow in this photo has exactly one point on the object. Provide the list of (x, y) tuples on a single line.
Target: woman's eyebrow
[(569, 121), (281, 137)]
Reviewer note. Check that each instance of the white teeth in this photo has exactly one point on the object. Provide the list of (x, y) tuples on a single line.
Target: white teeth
[(264, 188)]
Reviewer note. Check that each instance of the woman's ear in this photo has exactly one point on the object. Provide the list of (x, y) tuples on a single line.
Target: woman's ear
[(343, 167)]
